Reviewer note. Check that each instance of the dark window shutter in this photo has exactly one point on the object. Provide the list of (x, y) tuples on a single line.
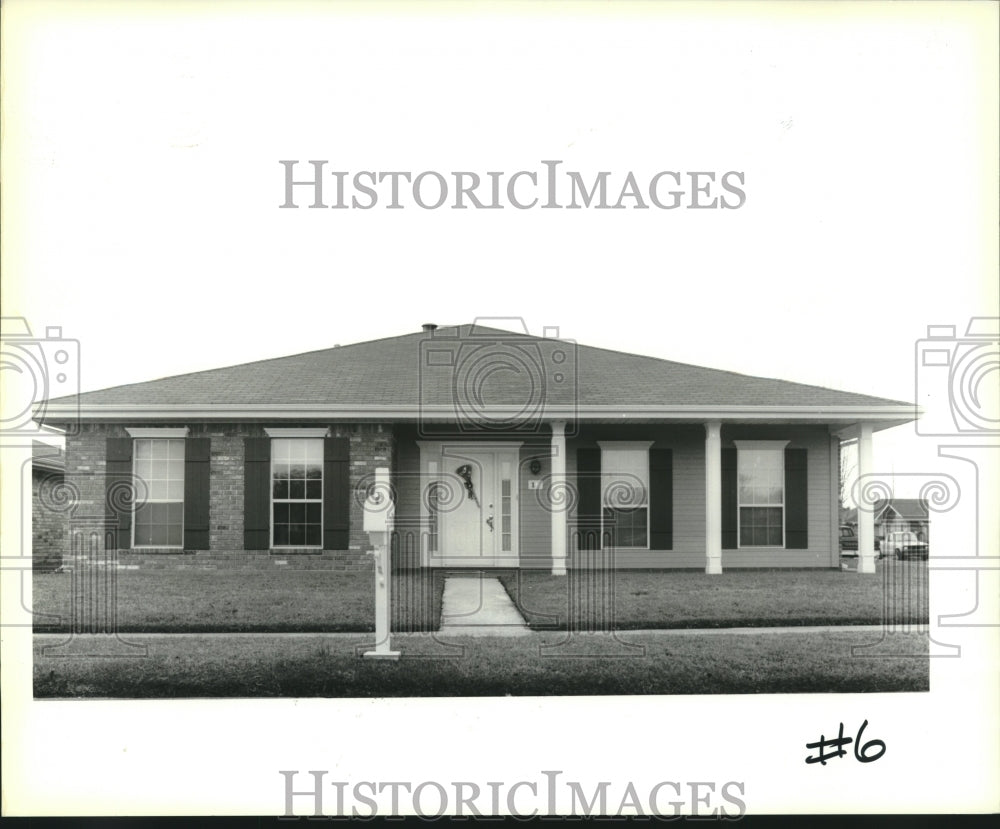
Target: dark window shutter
[(661, 499), (257, 494), (336, 493), (197, 461), (730, 504), (796, 500), (119, 492), (588, 508)]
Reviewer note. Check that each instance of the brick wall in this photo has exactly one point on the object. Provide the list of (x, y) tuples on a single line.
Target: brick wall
[(225, 506), (371, 445), (48, 519)]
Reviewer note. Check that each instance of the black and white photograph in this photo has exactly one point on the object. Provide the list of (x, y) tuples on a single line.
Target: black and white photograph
[(500, 409)]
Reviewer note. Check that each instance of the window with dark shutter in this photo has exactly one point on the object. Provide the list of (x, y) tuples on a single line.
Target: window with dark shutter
[(625, 493), (761, 484), (770, 494), (297, 492), (158, 466)]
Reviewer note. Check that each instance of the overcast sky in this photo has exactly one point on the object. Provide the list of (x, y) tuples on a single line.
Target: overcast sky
[(141, 210)]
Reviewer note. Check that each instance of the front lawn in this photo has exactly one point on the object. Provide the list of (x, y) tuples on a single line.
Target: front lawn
[(262, 665), (328, 601), (643, 599), (236, 600)]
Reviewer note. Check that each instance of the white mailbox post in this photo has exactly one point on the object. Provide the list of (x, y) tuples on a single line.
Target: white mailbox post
[(379, 511)]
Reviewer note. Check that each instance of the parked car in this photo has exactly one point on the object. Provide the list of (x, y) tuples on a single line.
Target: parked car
[(849, 543), (906, 545)]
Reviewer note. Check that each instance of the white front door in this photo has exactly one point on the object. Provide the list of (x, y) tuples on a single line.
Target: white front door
[(474, 507)]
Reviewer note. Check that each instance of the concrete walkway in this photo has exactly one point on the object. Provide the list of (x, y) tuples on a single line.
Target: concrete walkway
[(477, 605)]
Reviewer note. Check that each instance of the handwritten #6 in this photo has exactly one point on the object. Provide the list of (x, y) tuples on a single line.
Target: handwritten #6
[(834, 747)]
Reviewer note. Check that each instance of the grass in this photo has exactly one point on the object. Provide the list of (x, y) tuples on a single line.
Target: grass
[(549, 663), (636, 600), (192, 601), (260, 665)]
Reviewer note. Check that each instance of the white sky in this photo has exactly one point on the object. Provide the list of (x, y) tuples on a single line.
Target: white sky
[(140, 212), (142, 182)]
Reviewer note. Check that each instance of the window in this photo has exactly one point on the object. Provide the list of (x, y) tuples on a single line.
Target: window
[(505, 508), (625, 492), (159, 511), (297, 492), (761, 481)]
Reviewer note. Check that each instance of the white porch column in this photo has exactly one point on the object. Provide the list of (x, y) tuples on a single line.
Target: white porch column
[(558, 499), (713, 497), (866, 517)]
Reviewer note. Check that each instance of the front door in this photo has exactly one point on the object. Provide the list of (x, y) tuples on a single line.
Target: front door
[(475, 506)]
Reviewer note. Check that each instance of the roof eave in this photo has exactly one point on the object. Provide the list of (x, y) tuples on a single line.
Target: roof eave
[(882, 416)]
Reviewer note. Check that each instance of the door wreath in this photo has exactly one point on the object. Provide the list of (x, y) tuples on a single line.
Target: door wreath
[(465, 473)]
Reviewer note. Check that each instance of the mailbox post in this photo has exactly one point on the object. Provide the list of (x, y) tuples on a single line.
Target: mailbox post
[(379, 510)]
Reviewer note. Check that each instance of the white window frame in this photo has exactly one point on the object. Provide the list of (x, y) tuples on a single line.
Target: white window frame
[(157, 431), (298, 433), (626, 446), (143, 435), (757, 446)]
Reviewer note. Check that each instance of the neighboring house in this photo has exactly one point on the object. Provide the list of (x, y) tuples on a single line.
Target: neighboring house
[(504, 450), (896, 515), (48, 516)]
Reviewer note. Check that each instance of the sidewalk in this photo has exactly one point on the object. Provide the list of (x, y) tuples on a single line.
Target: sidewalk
[(478, 605)]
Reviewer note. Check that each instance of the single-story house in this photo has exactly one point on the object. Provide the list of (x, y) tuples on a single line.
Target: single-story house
[(503, 449), (896, 515)]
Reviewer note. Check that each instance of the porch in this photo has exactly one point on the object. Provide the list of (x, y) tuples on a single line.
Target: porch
[(540, 500)]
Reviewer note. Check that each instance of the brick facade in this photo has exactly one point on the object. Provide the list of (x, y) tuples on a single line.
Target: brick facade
[(371, 445), (48, 519)]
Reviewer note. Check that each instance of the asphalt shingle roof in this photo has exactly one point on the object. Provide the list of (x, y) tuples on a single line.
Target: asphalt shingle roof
[(502, 366), (907, 508), (915, 508)]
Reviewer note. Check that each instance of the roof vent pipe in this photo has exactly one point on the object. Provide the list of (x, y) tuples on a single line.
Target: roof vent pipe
[(429, 326)]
